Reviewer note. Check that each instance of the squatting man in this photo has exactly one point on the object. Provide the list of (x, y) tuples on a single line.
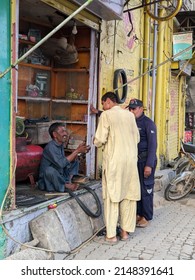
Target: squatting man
[(58, 171)]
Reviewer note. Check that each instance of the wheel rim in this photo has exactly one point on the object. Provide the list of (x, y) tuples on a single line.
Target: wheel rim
[(180, 189), (166, 9)]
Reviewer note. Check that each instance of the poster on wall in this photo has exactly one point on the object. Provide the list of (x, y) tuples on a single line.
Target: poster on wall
[(182, 41)]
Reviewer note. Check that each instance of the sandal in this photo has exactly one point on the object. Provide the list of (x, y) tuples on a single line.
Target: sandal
[(102, 240), (142, 223)]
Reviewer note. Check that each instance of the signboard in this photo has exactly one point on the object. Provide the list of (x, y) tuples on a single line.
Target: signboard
[(181, 41)]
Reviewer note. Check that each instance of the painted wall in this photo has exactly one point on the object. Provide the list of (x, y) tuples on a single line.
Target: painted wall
[(5, 93), (128, 44), (120, 47)]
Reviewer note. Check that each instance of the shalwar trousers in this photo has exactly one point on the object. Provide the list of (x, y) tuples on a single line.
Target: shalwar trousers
[(122, 213)]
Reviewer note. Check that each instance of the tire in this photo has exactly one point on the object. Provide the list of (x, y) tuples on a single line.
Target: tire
[(117, 74), (169, 9), (182, 167), (180, 186), (83, 206)]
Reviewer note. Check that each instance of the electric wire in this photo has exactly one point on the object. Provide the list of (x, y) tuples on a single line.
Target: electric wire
[(155, 67)]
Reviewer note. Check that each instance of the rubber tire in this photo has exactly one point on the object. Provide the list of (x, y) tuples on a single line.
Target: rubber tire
[(168, 188), (83, 206), (117, 74), (181, 167)]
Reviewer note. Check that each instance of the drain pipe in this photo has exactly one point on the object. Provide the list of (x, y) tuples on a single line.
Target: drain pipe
[(46, 37), (154, 63)]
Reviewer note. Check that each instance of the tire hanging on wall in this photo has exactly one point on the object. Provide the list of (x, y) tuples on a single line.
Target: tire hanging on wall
[(117, 74)]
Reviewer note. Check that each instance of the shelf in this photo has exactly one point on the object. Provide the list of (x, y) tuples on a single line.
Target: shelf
[(76, 101), (75, 122), (36, 66), (34, 98), (26, 42), (84, 70), (83, 49)]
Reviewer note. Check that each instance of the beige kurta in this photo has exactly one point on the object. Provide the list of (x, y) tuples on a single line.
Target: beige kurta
[(118, 135)]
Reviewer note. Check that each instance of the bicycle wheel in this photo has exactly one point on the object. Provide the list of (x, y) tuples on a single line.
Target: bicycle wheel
[(164, 10)]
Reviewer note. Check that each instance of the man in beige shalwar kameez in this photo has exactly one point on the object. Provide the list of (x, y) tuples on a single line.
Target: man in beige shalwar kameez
[(117, 134)]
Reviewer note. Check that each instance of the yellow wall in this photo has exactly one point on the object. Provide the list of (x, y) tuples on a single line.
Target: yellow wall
[(117, 51), (135, 54)]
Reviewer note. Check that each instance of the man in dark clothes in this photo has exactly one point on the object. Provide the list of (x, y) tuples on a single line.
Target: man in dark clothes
[(147, 161), (56, 169)]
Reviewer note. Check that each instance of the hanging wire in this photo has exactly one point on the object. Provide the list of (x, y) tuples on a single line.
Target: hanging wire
[(154, 68)]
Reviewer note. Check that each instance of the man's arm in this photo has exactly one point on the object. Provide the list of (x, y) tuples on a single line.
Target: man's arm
[(152, 143), (81, 149), (95, 111)]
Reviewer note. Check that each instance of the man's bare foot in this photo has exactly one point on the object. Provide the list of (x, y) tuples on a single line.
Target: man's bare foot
[(71, 186), (124, 235), (112, 239)]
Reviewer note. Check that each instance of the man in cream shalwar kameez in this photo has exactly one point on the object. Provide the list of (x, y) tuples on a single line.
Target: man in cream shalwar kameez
[(117, 134)]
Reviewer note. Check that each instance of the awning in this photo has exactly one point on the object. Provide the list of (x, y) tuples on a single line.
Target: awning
[(105, 9)]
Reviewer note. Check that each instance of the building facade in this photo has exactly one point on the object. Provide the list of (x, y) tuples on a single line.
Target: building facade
[(120, 48)]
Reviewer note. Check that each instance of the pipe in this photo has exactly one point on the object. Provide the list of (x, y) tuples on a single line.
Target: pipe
[(46, 37), (159, 89), (154, 62), (146, 59)]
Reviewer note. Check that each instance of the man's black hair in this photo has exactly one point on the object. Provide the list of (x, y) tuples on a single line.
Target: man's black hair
[(54, 127), (110, 95)]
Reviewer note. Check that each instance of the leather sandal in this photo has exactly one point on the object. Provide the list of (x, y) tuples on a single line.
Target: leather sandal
[(142, 223)]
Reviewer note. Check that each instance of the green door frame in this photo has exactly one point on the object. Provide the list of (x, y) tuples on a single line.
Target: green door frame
[(5, 105)]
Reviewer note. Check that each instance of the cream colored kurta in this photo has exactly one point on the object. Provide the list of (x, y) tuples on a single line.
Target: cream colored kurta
[(118, 135)]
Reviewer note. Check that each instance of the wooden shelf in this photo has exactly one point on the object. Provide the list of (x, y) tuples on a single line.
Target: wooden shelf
[(34, 98), (83, 49), (84, 70), (35, 66), (26, 42), (75, 122), (76, 101)]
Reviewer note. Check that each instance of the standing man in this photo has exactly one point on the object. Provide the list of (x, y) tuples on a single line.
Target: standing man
[(147, 161), (118, 136), (57, 171)]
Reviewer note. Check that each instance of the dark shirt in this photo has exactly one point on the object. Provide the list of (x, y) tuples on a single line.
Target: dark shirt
[(53, 155), (148, 139)]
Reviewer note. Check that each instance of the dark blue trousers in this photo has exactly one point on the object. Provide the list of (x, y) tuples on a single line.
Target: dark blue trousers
[(145, 205)]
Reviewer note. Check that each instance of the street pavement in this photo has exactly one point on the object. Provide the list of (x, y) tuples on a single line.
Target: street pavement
[(169, 236)]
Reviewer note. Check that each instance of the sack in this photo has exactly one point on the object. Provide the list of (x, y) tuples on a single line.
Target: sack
[(60, 50)]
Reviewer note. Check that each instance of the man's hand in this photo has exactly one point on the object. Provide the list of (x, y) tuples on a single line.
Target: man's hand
[(93, 110), (83, 148), (147, 171)]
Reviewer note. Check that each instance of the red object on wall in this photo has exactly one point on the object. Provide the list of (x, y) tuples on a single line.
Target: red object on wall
[(188, 136), (28, 160)]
